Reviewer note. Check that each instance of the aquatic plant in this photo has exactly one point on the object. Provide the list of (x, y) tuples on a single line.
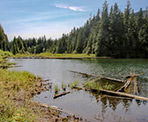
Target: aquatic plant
[(91, 85), (74, 84), (56, 89), (64, 86)]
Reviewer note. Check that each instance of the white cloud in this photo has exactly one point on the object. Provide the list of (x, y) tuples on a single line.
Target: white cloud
[(73, 8), (53, 30)]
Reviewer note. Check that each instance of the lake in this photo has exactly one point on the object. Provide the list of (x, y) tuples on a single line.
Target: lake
[(89, 106)]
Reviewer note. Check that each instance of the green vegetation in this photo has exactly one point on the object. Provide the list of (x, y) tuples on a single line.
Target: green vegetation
[(92, 85), (75, 84), (112, 33), (56, 89), (64, 86)]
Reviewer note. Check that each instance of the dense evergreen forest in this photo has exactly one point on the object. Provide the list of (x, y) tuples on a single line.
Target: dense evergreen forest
[(111, 33)]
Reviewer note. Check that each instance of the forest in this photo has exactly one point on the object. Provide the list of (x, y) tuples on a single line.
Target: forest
[(110, 33)]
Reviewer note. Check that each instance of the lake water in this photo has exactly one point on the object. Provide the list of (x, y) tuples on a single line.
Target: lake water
[(89, 106)]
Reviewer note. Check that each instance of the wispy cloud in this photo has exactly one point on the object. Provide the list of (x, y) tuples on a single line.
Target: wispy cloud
[(73, 8)]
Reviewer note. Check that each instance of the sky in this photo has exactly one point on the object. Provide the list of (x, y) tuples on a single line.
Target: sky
[(52, 18)]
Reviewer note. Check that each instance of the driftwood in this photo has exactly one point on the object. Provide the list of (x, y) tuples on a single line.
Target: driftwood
[(61, 94)]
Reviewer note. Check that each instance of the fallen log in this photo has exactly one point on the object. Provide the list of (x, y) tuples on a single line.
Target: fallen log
[(61, 94), (112, 93), (112, 79), (84, 74), (78, 88), (123, 95), (123, 88)]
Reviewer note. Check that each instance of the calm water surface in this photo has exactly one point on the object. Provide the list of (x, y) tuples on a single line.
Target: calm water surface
[(83, 103)]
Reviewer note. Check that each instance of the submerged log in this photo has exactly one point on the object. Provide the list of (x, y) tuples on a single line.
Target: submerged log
[(123, 95), (112, 93), (135, 85), (61, 94), (134, 75)]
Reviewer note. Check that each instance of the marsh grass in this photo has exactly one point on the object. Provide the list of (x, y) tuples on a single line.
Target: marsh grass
[(17, 86), (16, 89), (91, 85)]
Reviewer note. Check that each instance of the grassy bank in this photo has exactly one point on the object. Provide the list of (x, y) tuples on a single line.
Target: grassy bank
[(16, 91), (55, 56)]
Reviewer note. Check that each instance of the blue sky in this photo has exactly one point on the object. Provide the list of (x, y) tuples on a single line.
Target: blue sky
[(34, 18)]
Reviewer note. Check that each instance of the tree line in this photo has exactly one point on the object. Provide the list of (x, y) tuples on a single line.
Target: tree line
[(111, 33)]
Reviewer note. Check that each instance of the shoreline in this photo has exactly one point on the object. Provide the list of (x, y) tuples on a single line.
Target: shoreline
[(16, 101), (40, 57)]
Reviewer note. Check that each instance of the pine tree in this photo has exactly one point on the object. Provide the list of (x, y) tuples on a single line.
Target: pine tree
[(103, 35)]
